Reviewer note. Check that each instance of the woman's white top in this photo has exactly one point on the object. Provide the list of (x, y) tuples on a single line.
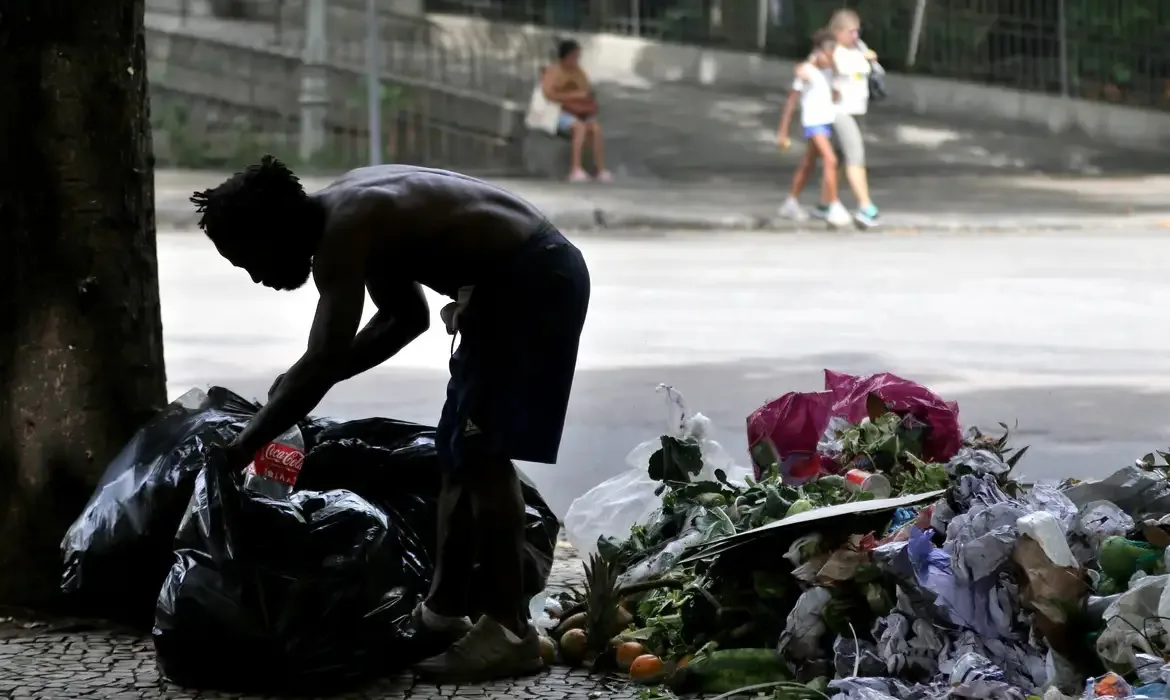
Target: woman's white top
[(851, 78)]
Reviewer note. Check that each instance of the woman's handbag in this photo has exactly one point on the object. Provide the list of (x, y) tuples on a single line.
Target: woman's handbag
[(877, 84), (543, 114), (877, 77)]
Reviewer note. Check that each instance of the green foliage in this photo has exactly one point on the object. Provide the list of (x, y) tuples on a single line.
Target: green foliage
[(184, 141)]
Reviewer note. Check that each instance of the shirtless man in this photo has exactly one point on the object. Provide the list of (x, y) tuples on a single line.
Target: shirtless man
[(520, 292)]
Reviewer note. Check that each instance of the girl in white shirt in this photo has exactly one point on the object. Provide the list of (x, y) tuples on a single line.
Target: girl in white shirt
[(818, 111)]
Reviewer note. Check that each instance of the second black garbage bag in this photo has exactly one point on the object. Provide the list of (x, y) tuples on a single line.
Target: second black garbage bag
[(314, 592), (394, 465), (270, 595)]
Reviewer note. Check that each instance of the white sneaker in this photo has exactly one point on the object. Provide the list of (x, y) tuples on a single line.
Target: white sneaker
[(792, 210), (838, 216), (486, 652)]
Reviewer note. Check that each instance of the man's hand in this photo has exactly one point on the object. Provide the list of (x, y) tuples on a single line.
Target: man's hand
[(235, 456), (782, 140), (450, 316), (275, 386), (870, 55)]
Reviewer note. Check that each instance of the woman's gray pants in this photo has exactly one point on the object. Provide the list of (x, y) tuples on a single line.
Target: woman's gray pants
[(850, 142)]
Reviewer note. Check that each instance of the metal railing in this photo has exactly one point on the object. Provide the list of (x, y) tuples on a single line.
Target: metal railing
[(220, 102), (470, 59), (1094, 49)]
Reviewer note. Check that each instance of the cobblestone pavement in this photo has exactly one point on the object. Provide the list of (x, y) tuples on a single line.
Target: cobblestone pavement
[(67, 659)]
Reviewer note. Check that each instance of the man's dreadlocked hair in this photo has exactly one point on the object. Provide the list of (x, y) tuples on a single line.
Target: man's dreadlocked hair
[(266, 198)]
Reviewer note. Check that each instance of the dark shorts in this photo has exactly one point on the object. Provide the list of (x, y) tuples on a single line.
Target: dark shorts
[(513, 370)]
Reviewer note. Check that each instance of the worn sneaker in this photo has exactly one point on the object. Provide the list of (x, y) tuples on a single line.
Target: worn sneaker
[(821, 211), (487, 652), (451, 628), (579, 176), (792, 210), (867, 217), (605, 176), (838, 216)]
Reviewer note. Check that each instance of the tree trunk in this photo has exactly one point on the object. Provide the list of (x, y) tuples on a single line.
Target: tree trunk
[(81, 358)]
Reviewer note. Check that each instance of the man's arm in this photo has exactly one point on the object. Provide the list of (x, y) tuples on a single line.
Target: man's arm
[(405, 318), (338, 271)]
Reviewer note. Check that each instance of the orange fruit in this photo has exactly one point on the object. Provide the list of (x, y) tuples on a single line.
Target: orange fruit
[(646, 668), (627, 652)]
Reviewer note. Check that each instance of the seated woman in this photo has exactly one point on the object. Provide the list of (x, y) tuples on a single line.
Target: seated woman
[(566, 84)]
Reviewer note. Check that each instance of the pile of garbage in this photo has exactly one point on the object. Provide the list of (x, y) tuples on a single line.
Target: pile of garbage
[(872, 551), (299, 576)]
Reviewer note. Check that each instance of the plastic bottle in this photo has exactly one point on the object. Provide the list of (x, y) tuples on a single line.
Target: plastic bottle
[(275, 468)]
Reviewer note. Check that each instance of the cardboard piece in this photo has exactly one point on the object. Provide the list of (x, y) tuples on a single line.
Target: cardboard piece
[(792, 526)]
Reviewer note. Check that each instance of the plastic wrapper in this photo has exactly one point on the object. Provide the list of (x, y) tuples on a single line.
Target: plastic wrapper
[(1134, 490), (853, 658), (308, 593), (795, 423), (614, 506), (1131, 621), (976, 677), (869, 688), (801, 639), (1109, 685), (1095, 522)]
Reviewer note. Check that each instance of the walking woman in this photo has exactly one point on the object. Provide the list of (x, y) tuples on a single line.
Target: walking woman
[(853, 64)]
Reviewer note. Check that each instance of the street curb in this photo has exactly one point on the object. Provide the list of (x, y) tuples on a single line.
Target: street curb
[(601, 221)]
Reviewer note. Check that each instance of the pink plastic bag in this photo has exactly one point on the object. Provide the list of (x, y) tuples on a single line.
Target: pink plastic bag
[(786, 430)]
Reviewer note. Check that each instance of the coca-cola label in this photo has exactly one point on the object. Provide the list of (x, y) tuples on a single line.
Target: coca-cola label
[(280, 463)]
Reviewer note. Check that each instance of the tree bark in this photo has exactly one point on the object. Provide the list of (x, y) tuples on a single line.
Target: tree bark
[(81, 358)]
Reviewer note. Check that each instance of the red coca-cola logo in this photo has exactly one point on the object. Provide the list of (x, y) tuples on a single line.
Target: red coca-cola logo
[(280, 462)]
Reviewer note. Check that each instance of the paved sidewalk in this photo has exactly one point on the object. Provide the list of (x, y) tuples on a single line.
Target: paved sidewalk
[(960, 203), (69, 660)]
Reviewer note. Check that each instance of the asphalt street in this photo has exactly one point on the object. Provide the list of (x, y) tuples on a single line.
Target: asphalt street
[(1065, 334)]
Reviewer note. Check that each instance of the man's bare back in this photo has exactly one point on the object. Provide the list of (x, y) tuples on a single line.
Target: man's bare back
[(441, 229)]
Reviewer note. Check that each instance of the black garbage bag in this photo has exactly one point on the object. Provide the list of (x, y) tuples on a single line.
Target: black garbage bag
[(394, 465), (119, 550), (304, 595)]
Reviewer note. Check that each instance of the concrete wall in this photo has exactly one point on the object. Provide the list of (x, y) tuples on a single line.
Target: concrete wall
[(223, 85), (641, 62)]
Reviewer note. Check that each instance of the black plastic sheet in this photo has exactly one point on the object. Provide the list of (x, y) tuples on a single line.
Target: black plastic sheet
[(309, 594), (119, 550), (394, 465), (318, 587)]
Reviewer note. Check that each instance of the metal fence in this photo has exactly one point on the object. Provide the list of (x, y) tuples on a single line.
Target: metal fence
[(1116, 51), (471, 58), (225, 93)]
